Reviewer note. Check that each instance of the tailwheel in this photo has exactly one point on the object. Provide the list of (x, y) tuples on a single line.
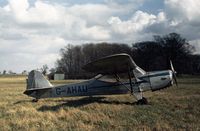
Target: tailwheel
[(142, 101), (35, 100)]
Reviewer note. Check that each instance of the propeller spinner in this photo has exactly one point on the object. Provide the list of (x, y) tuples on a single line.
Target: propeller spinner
[(174, 73)]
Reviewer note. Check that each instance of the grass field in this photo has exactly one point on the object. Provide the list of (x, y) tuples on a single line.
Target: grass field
[(169, 109)]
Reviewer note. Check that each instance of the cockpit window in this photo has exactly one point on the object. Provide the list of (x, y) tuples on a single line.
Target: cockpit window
[(107, 78), (123, 77)]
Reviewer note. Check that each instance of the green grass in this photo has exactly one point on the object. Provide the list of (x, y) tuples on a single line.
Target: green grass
[(169, 109)]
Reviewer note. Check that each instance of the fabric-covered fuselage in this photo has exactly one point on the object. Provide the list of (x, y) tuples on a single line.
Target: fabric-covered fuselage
[(150, 81)]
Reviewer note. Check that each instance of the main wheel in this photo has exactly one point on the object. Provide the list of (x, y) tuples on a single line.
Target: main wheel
[(142, 101)]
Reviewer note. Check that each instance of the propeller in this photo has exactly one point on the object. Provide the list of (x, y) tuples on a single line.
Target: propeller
[(173, 73)]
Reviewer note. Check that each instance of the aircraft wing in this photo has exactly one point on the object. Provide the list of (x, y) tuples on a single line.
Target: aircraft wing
[(118, 63)]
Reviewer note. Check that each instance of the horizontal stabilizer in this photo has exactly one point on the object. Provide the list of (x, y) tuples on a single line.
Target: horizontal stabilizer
[(30, 91)]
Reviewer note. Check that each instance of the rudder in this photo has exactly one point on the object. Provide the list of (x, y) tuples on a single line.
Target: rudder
[(36, 80)]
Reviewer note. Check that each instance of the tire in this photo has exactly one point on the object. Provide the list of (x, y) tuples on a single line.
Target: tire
[(142, 101)]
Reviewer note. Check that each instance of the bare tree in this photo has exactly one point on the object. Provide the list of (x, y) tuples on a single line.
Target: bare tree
[(150, 55), (4, 72), (44, 69)]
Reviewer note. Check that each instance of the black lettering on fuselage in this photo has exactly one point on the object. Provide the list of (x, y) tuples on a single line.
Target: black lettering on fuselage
[(69, 90), (58, 91), (79, 89), (72, 90), (84, 88)]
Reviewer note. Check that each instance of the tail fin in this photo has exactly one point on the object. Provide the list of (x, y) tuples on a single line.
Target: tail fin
[(37, 81)]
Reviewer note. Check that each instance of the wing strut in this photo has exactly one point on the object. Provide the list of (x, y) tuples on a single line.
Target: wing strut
[(130, 81), (118, 80), (138, 95)]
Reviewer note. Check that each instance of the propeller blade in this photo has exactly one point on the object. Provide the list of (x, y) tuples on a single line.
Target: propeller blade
[(174, 73), (172, 67)]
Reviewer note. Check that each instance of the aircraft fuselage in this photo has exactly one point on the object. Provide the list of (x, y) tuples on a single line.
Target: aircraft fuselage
[(150, 81)]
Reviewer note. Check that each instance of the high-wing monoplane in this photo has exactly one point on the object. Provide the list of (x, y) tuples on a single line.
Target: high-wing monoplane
[(117, 74)]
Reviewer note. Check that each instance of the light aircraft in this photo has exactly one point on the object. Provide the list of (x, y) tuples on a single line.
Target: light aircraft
[(117, 74)]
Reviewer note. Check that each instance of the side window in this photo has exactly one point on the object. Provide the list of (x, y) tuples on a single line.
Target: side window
[(111, 78), (108, 78)]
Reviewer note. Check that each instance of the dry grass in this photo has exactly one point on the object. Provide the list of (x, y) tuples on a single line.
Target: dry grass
[(169, 109)]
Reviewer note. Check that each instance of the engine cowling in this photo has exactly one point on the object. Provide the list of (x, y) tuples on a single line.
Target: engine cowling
[(160, 80)]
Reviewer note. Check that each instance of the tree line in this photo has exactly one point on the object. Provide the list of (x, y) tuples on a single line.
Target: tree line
[(149, 55)]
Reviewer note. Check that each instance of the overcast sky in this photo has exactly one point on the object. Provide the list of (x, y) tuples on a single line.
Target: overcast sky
[(33, 31)]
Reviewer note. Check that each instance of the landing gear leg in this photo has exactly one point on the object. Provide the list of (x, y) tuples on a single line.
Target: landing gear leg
[(142, 101), (35, 100)]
